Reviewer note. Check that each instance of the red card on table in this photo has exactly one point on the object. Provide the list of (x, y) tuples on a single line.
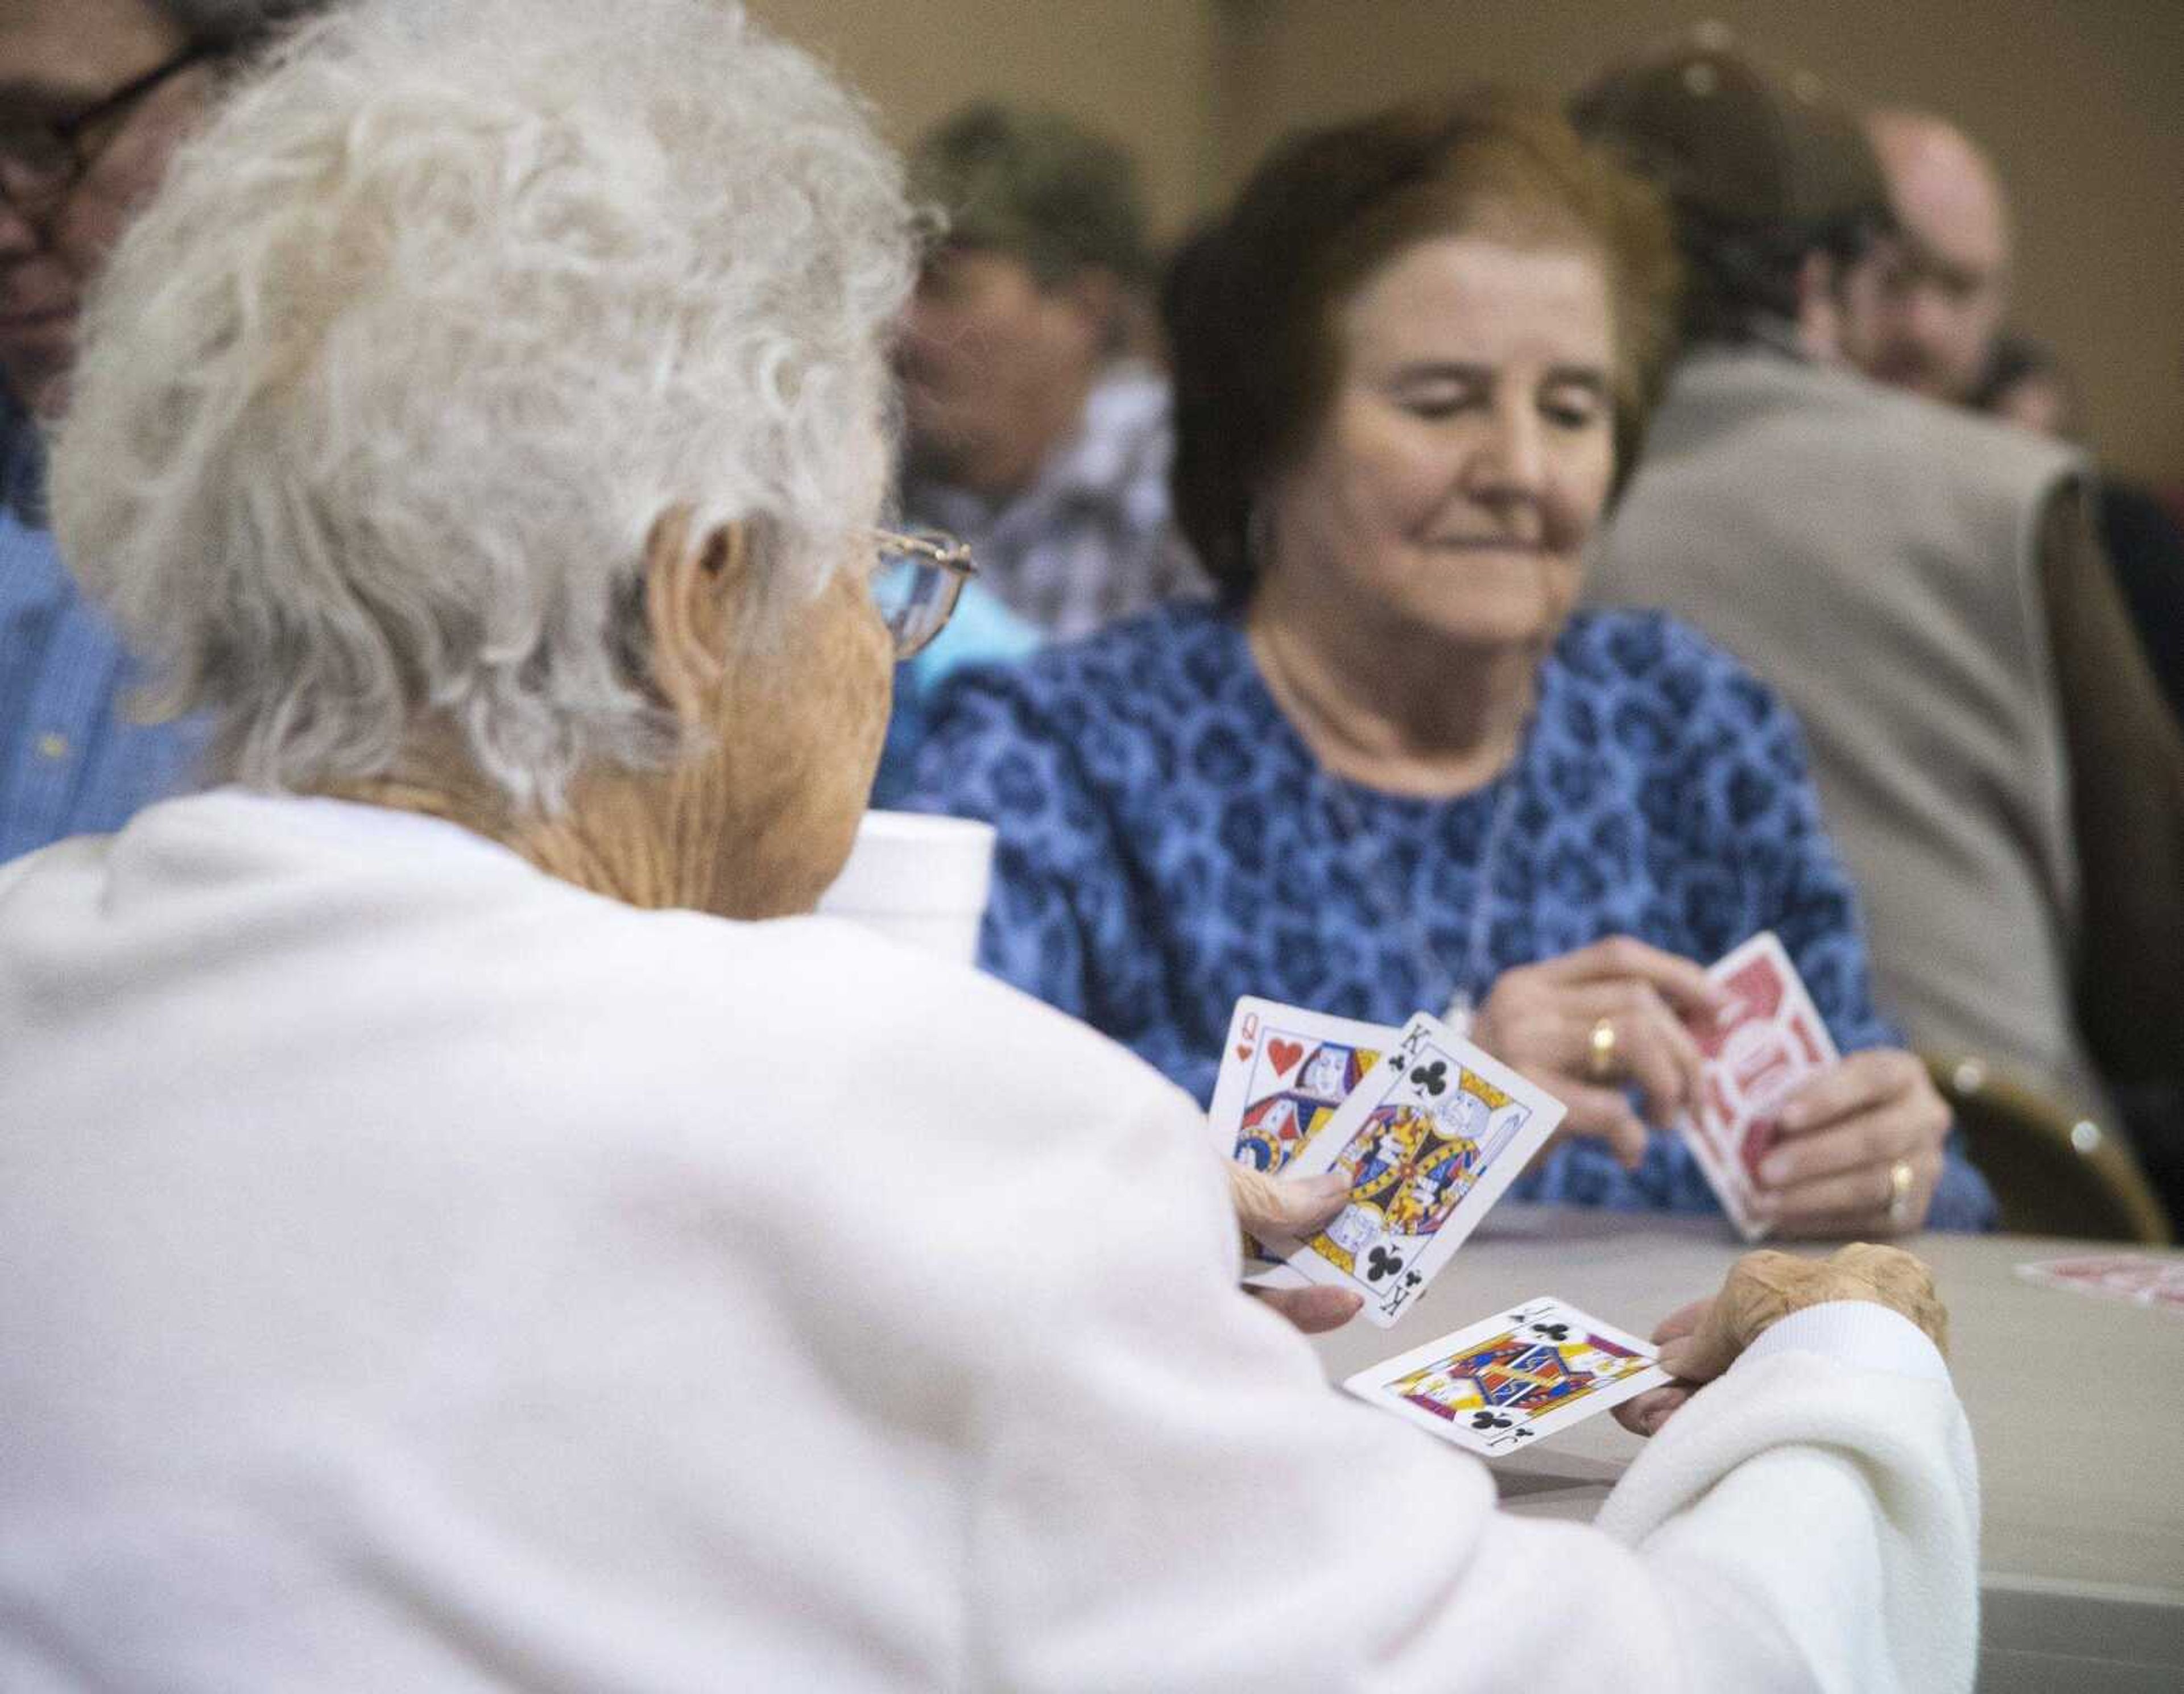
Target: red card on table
[(2142, 1278)]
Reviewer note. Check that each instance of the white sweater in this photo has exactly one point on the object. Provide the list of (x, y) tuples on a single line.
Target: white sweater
[(418, 1274)]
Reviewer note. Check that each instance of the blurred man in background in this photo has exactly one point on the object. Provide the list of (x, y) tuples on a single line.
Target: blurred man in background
[(1942, 302), (1939, 332), (94, 97), (1033, 434), (1922, 586)]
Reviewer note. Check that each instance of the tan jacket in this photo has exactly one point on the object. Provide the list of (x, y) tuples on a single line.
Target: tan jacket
[(1989, 746)]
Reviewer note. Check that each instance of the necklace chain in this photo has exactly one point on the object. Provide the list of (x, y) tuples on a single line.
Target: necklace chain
[(1398, 907), (1377, 877)]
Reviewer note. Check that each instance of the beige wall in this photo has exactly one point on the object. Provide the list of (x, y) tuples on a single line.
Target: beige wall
[(1137, 69), (2080, 101)]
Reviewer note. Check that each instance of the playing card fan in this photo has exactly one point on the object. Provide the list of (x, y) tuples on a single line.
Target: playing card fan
[(1419, 1131)]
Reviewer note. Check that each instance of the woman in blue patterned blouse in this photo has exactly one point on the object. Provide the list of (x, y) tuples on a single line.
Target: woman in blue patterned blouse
[(1391, 770)]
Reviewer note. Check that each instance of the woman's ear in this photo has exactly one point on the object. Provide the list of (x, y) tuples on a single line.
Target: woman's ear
[(691, 599)]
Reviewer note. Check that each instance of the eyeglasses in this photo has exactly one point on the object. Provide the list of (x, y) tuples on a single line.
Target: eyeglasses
[(43, 157), (919, 578)]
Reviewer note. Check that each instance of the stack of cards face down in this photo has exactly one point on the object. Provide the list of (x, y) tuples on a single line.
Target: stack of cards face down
[(1429, 1131)]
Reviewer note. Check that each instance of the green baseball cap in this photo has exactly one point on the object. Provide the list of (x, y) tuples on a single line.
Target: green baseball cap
[(1037, 185)]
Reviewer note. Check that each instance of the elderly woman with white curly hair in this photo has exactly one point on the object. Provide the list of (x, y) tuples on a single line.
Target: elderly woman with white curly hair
[(461, 1229)]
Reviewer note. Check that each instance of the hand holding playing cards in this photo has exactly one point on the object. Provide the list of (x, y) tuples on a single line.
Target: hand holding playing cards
[(1833, 1171), (1699, 1341), (1265, 1207), (1582, 1024)]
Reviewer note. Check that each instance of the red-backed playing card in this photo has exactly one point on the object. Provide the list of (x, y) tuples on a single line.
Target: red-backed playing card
[(1758, 1051), (2142, 1278)]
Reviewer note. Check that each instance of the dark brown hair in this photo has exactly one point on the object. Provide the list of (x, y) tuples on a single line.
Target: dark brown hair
[(1251, 317)]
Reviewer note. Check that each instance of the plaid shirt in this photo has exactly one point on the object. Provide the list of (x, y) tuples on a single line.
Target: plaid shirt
[(71, 761), (1089, 540)]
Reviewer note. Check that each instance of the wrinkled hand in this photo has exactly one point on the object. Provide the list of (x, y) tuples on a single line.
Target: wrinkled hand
[(1831, 1174), (1540, 1019), (1701, 1340), (1267, 1206)]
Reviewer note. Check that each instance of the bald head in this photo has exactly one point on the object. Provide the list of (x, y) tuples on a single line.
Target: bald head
[(1943, 306)]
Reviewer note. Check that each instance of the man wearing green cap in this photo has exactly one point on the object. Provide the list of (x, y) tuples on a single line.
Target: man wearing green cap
[(1032, 435), (1920, 585)]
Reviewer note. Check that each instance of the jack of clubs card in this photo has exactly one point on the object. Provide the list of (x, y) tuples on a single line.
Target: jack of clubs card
[(1505, 1382)]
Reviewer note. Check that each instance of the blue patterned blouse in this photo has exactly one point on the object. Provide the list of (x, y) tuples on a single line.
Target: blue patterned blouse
[(1169, 843)]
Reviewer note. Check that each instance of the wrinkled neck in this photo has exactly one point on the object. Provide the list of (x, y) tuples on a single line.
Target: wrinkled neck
[(1405, 718), (657, 840)]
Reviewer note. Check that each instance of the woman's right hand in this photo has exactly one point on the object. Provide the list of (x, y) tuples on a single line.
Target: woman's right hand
[(1582, 1024), (1701, 1340), (1267, 1206)]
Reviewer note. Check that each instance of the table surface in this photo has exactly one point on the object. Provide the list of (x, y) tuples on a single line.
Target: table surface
[(2076, 1406)]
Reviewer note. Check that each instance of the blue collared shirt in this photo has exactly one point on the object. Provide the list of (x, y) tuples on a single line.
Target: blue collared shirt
[(72, 762)]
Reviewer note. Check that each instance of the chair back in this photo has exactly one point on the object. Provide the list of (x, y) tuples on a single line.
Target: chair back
[(2056, 1171)]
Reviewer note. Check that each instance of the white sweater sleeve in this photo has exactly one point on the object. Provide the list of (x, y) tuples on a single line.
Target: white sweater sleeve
[(1179, 1501), (1827, 1483)]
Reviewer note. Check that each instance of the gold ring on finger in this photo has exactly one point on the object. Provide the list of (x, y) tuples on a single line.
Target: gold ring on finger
[(1600, 1050), (1901, 1179)]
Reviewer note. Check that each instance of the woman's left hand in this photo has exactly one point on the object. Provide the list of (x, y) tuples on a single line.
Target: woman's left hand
[(1699, 1341), (1860, 1151)]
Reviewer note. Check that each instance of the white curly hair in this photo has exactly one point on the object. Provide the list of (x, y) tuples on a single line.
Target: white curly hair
[(381, 395)]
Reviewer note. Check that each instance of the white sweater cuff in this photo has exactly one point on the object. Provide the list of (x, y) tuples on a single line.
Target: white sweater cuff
[(1855, 1332)]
